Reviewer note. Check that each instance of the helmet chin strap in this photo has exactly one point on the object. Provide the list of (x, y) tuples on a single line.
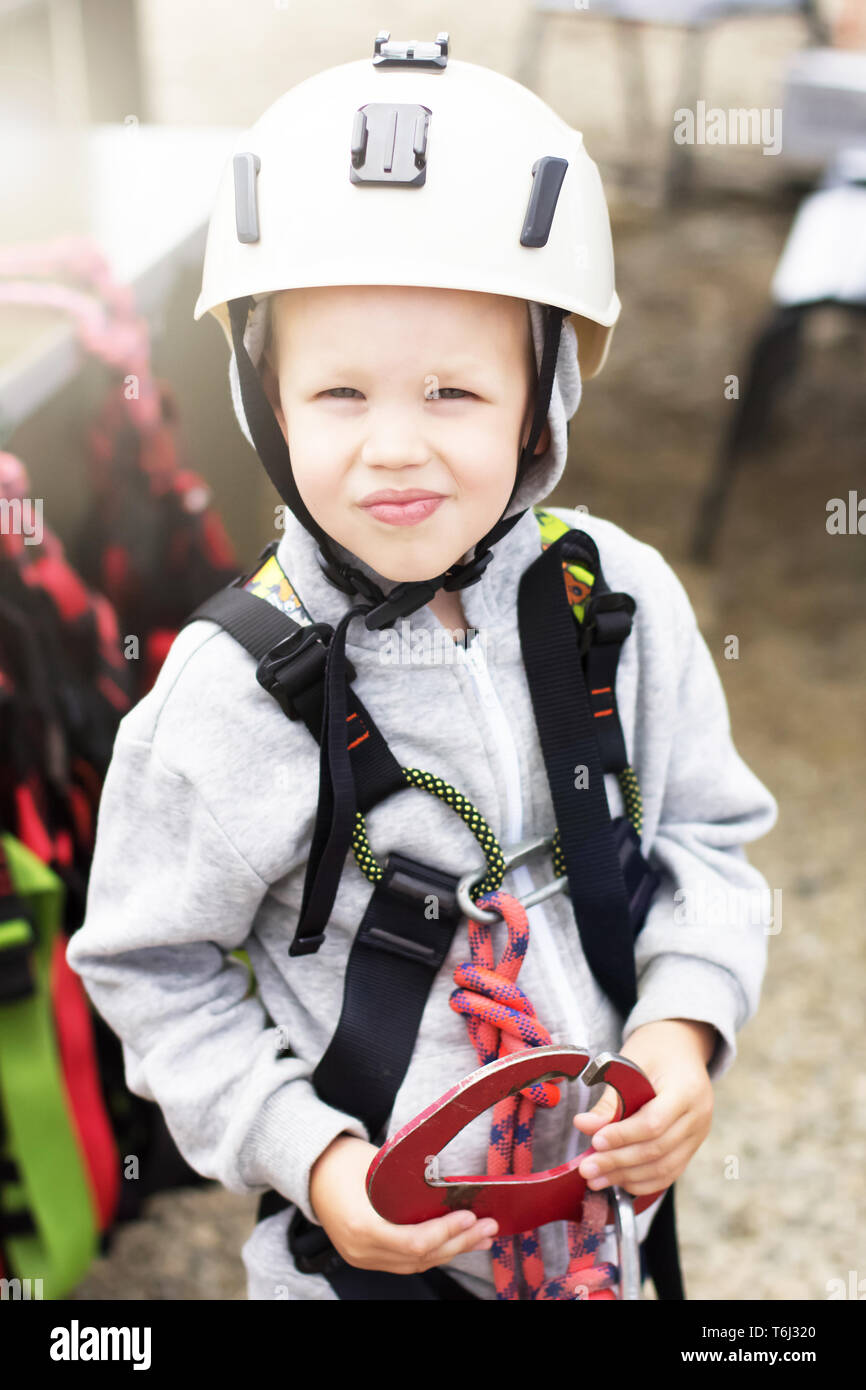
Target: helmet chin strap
[(407, 597)]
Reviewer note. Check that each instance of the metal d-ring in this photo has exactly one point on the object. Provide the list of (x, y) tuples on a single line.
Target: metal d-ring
[(513, 857)]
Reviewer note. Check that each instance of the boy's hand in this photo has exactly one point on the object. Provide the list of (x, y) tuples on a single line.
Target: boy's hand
[(649, 1150), (338, 1196)]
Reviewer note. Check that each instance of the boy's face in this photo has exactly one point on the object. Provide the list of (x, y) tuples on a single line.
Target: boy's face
[(353, 373)]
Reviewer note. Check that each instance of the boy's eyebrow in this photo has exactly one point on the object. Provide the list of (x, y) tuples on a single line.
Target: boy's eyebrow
[(459, 361), (462, 360)]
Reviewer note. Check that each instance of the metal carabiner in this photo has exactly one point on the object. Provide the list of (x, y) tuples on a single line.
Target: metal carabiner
[(517, 855), (404, 1183), (627, 1244)]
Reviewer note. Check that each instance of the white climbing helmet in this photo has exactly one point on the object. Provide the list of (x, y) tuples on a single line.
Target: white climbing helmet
[(414, 168)]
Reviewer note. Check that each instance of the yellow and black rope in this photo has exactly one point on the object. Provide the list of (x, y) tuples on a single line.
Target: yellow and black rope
[(372, 869)]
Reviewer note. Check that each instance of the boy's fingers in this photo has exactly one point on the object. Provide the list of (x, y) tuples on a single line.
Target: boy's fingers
[(590, 1123), (428, 1237), (604, 1108), (640, 1163), (650, 1122), (651, 1177), (616, 1160), (473, 1239)]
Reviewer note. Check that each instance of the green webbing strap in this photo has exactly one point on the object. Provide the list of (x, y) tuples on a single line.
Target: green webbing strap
[(40, 1137)]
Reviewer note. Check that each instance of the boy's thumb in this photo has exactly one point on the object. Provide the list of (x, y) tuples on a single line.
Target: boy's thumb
[(602, 1113)]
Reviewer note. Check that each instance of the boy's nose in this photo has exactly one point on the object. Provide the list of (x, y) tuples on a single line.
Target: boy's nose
[(394, 442)]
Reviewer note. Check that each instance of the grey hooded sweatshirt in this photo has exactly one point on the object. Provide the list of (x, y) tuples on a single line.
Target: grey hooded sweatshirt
[(205, 824)]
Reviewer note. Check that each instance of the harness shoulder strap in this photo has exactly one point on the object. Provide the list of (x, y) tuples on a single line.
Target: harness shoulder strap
[(566, 729), (399, 947), (291, 651), (605, 621)]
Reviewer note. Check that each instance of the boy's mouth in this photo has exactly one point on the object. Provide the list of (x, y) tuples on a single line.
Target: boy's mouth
[(401, 508)]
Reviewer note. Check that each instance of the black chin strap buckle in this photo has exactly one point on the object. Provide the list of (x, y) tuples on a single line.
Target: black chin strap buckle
[(334, 575), (349, 580), (468, 574), (409, 597), (403, 599)]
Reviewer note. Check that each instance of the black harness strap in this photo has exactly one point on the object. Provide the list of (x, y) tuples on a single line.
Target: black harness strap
[(291, 659), (400, 943), (569, 736), (565, 729), (606, 625), (394, 960), (258, 626), (355, 776)]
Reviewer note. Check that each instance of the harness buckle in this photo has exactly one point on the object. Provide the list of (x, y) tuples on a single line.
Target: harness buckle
[(296, 664), (607, 620), (401, 926)]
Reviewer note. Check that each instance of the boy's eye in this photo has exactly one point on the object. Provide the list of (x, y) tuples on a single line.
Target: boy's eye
[(346, 393)]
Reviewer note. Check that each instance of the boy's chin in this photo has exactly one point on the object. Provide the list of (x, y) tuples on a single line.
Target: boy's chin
[(413, 573), (399, 563)]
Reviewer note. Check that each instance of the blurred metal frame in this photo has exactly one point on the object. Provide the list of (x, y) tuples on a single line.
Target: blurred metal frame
[(88, 56), (814, 271), (694, 17)]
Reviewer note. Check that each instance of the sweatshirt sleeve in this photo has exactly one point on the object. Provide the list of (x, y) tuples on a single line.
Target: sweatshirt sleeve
[(169, 897), (703, 948)]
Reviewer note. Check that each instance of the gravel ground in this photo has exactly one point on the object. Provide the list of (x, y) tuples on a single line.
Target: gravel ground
[(187, 1246)]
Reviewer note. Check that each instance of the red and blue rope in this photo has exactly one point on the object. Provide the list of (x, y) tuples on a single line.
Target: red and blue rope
[(500, 1020)]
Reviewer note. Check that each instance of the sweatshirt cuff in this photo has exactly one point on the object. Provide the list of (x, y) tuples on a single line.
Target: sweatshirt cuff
[(291, 1131), (677, 986)]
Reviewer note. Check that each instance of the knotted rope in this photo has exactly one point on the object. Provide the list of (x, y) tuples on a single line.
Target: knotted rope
[(500, 1020)]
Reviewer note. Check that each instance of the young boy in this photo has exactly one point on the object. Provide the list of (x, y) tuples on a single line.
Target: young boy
[(394, 337)]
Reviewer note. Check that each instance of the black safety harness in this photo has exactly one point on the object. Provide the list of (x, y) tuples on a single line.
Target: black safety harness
[(398, 950)]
